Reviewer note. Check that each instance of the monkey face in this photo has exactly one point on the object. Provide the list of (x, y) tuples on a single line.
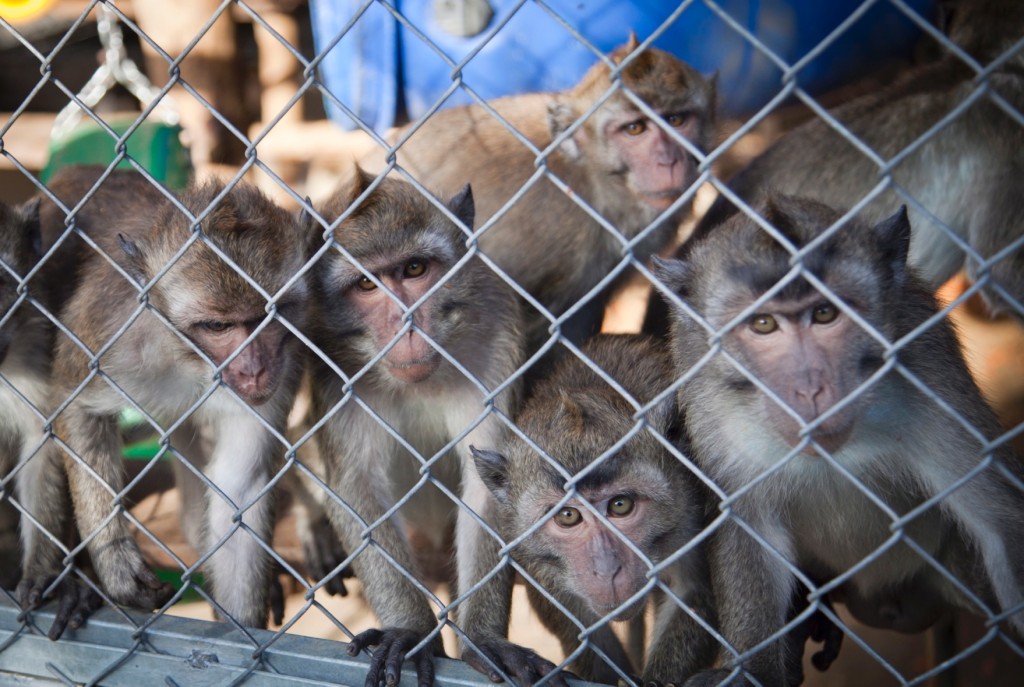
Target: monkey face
[(259, 351), (604, 571), (813, 357), (256, 369), (657, 168)]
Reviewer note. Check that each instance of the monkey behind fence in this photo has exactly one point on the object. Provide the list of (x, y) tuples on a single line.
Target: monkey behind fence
[(200, 348), (623, 164), (849, 441), (414, 337), (640, 488)]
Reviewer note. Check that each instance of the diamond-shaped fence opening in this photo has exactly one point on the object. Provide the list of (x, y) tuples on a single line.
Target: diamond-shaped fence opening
[(337, 390)]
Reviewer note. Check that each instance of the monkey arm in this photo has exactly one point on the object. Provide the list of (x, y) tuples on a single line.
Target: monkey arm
[(753, 589), (43, 492), (354, 461), (240, 466), (484, 616), (680, 645), (94, 444)]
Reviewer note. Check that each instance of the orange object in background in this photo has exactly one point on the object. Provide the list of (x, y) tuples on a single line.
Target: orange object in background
[(22, 10), (994, 349)]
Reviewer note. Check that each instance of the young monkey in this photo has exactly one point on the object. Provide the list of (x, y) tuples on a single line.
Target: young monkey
[(417, 346), (628, 508), (186, 320)]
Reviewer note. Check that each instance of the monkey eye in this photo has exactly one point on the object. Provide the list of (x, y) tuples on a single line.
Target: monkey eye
[(825, 313), (216, 326), (365, 284), (676, 119), (763, 324), (621, 505), (414, 268), (635, 128), (568, 517)]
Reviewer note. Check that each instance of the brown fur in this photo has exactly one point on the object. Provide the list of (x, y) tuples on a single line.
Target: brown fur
[(419, 393), (891, 439), (546, 242), (196, 315), (576, 417)]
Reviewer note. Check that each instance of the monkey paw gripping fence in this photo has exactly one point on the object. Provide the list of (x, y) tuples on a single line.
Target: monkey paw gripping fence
[(360, 82)]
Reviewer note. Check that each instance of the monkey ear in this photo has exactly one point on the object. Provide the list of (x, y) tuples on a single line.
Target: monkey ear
[(493, 470), (779, 213), (631, 44), (463, 207), (361, 180), (674, 273), (33, 230), (306, 220), (893, 235), (561, 116), (135, 266), (664, 418)]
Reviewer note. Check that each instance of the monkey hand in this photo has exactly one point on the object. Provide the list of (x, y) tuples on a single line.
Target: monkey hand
[(386, 660), (829, 635), (323, 553), (127, 578), (523, 665), (276, 595), (76, 602)]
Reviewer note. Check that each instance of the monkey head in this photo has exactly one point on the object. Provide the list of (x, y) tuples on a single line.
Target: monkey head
[(216, 286), (598, 537), (388, 283), (19, 250), (621, 141), (799, 346)]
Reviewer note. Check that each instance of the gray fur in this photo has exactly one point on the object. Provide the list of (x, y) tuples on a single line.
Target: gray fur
[(903, 447), (472, 317), (576, 417)]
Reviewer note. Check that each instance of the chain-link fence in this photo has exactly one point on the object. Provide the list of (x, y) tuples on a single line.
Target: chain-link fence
[(219, 403)]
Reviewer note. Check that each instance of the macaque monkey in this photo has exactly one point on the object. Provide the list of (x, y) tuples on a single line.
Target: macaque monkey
[(629, 167), (415, 340), (189, 326), (639, 488), (29, 464), (979, 154), (850, 423)]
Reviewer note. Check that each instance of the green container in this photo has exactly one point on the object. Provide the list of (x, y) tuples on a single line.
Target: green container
[(156, 146)]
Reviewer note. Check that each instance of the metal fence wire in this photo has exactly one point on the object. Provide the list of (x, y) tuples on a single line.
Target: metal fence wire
[(341, 458)]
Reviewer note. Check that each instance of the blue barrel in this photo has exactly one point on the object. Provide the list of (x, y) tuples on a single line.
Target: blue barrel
[(372, 58)]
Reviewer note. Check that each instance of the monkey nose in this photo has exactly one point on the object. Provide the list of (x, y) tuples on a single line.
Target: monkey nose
[(606, 567)]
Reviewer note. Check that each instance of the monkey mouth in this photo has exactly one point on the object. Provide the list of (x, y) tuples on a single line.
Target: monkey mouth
[(260, 394), (627, 613), (661, 200), (831, 436), (414, 371)]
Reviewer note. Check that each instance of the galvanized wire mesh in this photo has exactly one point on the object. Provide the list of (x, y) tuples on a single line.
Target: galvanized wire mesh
[(118, 646)]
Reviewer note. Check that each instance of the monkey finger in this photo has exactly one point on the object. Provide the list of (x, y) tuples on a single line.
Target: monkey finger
[(336, 585), (393, 663), (276, 599), (424, 669), (30, 591), (829, 652), (363, 640), (830, 635), (542, 668), (76, 603)]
